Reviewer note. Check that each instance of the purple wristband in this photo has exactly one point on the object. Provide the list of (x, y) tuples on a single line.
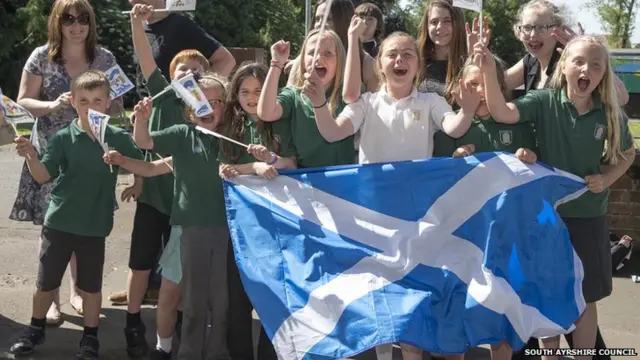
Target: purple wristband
[(274, 158)]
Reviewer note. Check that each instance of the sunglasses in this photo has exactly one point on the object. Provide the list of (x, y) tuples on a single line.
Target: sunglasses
[(68, 19)]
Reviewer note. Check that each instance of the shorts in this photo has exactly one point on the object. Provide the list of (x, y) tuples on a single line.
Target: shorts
[(170, 265), (55, 252), (151, 229), (590, 239)]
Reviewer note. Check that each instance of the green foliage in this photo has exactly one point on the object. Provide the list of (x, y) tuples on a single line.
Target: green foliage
[(617, 18)]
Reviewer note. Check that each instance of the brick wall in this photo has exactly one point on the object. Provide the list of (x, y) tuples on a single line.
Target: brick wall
[(624, 203)]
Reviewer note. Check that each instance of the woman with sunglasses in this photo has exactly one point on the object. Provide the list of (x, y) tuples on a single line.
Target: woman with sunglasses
[(71, 49)]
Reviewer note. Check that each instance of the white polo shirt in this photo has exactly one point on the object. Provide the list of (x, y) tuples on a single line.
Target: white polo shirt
[(396, 130)]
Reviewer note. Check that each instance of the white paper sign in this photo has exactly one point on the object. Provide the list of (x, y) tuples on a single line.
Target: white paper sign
[(98, 124), (120, 83), (15, 113), (475, 5), (181, 5), (187, 88)]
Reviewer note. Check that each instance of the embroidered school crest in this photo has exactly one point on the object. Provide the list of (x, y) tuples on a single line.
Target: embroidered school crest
[(598, 133), (506, 137)]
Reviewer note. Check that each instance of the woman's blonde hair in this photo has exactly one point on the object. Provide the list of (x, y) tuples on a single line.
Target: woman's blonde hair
[(457, 48), (383, 44), (336, 94), (543, 5), (606, 89), (54, 28)]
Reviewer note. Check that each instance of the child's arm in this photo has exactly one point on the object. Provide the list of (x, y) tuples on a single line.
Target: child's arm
[(37, 169), (599, 182), (139, 167), (141, 45), (330, 129), (141, 134), (503, 112), (268, 107), (352, 71)]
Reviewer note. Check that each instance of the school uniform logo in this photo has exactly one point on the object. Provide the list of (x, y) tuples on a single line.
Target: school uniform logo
[(506, 137), (598, 132)]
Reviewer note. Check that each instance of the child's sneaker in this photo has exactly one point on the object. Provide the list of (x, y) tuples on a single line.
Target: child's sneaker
[(158, 354), (89, 346), (27, 343)]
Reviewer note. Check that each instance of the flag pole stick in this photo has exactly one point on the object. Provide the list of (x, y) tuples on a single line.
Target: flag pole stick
[(15, 129), (166, 90), (325, 18), (165, 162), (155, 10), (206, 131)]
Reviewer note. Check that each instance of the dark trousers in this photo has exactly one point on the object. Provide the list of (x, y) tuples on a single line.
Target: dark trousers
[(239, 320), (533, 344)]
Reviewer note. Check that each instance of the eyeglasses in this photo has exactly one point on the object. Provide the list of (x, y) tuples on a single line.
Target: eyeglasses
[(68, 19), (215, 103), (540, 29)]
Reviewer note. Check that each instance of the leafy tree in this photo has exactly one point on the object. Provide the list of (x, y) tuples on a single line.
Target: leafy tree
[(617, 18)]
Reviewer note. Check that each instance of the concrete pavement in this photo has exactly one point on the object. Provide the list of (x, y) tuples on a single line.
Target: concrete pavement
[(619, 314)]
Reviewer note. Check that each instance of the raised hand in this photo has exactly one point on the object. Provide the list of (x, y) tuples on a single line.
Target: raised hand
[(564, 34), (142, 110), (483, 58), (141, 12), (280, 51), (467, 98), (357, 27), (473, 33), (313, 88)]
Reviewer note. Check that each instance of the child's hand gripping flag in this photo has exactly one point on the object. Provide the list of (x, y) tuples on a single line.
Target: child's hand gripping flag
[(119, 82), (98, 124), (187, 88)]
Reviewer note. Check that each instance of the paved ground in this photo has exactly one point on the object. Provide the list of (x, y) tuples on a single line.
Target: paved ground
[(619, 315)]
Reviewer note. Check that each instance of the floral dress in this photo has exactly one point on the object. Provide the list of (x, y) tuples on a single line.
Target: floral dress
[(32, 200)]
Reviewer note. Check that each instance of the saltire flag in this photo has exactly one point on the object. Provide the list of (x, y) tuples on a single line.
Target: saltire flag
[(118, 81), (98, 124), (444, 254)]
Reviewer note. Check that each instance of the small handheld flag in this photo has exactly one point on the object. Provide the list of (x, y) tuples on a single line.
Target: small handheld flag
[(119, 82), (98, 124), (187, 88), (15, 114), (175, 5)]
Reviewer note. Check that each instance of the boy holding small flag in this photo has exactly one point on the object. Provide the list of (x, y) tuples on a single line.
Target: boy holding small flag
[(80, 215)]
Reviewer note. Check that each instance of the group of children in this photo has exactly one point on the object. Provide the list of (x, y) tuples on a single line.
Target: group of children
[(576, 125)]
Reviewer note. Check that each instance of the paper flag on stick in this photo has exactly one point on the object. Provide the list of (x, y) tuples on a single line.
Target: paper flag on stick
[(475, 5), (120, 83), (181, 5), (98, 123), (187, 88), (15, 113)]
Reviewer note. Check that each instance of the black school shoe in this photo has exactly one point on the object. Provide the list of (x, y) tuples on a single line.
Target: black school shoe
[(137, 346), (27, 343), (89, 346), (157, 354)]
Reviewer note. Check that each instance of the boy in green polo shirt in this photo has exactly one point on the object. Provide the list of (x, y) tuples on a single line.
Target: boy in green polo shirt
[(80, 215), (485, 134), (151, 223), (199, 209), (577, 120)]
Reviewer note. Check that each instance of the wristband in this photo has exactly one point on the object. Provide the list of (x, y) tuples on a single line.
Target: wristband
[(323, 104), (274, 159)]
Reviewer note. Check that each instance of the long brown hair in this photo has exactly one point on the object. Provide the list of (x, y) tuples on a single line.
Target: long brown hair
[(606, 89), (457, 48), (233, 116), (341, 55), (54, 27)]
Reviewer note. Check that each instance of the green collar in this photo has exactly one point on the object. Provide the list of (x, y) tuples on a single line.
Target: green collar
[(597, 99)]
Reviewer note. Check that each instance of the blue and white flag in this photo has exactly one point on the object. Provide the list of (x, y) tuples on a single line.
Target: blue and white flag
[(118, 81), (444, 254)]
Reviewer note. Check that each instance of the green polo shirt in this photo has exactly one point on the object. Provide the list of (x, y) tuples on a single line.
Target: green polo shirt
[(167, 111), (571, 142), (253, 134), (488, 136), (311, 148), (198, 199), (82, 196)]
